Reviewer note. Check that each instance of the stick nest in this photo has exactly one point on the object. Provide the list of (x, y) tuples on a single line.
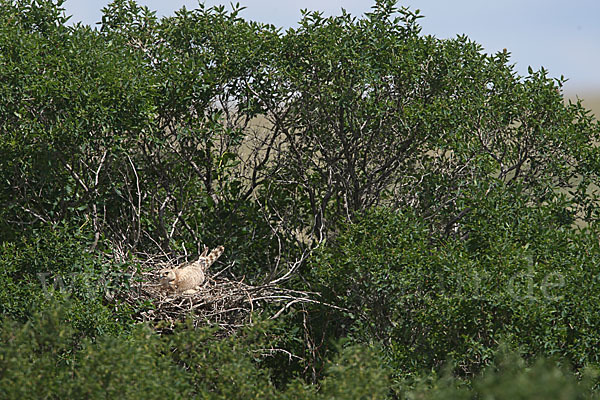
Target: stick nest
[(226, 302)]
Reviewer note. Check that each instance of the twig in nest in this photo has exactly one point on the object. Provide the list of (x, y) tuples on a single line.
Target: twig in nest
[(221, 301)]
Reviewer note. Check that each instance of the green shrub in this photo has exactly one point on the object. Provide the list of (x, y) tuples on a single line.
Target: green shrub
[(34, 356), (356, 373), (54, 265), (520, 278), (512, 378), (128, 368), (443, 190), (46, 358)]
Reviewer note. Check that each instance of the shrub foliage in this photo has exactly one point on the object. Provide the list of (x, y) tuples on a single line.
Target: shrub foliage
[(440, 207)]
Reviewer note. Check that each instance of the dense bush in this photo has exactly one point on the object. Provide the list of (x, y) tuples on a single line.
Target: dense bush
[(521, 278), (433, 203), (511, 378), (45, 358), (127, 133), (54, 266), (373, 113)]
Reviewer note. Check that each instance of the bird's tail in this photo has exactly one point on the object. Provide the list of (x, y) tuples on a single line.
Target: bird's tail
[(213, 256)]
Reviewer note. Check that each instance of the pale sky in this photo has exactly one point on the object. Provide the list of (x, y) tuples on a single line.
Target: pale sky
[(562, 36)]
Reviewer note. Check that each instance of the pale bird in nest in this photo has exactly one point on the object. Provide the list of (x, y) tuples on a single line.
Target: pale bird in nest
[(189, 278)]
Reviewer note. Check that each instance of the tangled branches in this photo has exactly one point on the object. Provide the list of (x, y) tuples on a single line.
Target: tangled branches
[(227, 303)]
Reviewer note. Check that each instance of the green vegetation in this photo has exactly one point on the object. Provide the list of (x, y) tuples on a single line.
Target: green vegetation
[(436, 213), (590, 99)]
